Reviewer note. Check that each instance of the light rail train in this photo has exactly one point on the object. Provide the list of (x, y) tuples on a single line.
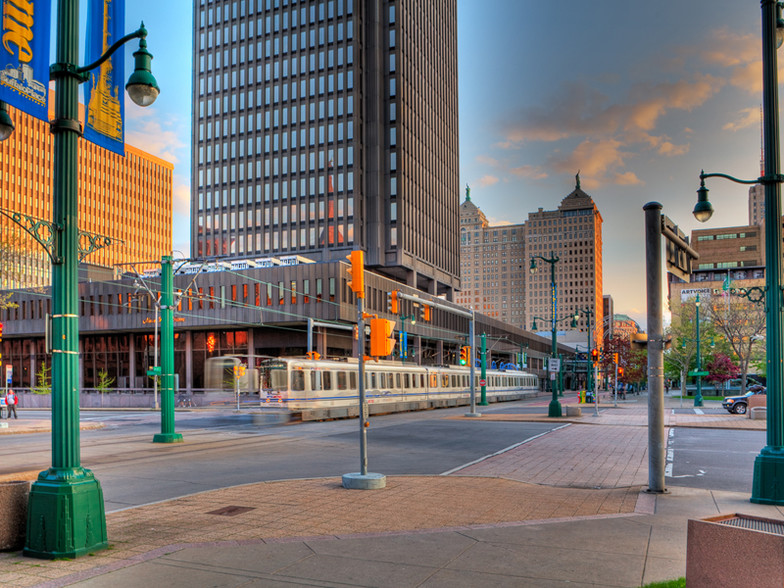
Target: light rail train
[(301, 384)]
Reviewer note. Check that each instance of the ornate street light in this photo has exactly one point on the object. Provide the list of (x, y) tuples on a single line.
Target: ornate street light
[(66, 516), (768, 482)]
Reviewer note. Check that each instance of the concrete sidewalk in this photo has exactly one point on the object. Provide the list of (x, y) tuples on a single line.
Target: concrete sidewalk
[(537, 514)]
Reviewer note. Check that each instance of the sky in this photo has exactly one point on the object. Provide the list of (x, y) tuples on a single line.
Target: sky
[(637, 96)]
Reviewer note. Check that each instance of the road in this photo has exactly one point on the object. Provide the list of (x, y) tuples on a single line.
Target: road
[(223, 449)]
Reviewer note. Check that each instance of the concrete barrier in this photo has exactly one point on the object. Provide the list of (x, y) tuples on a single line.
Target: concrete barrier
[(735, 550), (758, 413), (13, 514), (573, 411)]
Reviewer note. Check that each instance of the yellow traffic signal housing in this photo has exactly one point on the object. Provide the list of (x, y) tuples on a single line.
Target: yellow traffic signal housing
[(357, 272), (425, 312), (393, 305), (465, 355), (382, 342), (595, 355), (615, 357), (313, 355)]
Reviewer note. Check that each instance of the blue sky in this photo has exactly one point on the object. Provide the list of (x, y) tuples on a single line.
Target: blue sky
[(639, 96)]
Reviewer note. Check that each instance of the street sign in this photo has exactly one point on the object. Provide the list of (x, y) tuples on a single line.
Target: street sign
[(154, 371), (554, 364), (695, 374), (679, 252), (483, 382), (9, 372)]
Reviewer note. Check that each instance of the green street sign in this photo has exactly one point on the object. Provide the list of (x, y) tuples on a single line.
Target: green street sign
[(699, 374), (154, 371)]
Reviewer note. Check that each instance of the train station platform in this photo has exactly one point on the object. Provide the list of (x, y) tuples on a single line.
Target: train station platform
[(537, 514)]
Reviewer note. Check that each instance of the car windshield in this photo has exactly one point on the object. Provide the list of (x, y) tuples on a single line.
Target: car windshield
[(749, 393)]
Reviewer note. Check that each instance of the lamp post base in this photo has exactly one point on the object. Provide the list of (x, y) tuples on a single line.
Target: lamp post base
[(698, 401), (167, 438), (768, 483), (65, 515), (555, 409)]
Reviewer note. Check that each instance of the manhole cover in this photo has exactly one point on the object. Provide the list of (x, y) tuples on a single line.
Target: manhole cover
[(231, 511)]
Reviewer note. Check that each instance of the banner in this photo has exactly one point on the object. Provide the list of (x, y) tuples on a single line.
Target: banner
[(24, 56), (103, 91)]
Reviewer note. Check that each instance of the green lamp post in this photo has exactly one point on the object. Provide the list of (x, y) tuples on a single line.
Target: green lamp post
[(66, 516), (588, 313), (768, 481)]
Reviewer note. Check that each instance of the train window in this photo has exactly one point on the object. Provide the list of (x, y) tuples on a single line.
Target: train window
[(444, 381), (397, 381), (422, 381), (315, 380), (433, 380), (327, 380), (453, 381), (352, 379), (342, 380), (465, 381), (298, 380), (372, 380), (406, 380)]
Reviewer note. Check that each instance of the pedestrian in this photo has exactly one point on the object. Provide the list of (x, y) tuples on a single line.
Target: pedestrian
[(11, 401)]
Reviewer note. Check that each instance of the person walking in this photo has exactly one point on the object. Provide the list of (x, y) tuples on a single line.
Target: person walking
[(11, 401)]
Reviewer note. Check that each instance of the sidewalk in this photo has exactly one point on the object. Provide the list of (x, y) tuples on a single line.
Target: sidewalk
[(538, 514)]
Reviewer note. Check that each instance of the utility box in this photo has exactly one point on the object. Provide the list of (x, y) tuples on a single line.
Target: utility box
[(735, 550)]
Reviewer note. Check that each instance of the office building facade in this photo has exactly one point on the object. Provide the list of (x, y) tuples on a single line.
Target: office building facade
[(320, 127), (126, 198)]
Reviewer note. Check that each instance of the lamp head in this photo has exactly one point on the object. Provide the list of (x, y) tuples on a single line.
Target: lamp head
[(574, 321), (532, 267), (6, 124), (141, 86), (703, 210), (533, 326), (413, 320)]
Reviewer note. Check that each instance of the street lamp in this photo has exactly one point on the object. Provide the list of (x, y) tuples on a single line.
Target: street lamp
[(698, 370), (768, 482), (66, 516), (588, 313), (555, 406)]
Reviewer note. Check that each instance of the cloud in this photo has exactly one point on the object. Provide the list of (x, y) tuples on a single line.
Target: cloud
[(627, 179), (148, 134), (533, 172), (181, 196), (487, 160), (748, 117), (596, 160), (486, 180)]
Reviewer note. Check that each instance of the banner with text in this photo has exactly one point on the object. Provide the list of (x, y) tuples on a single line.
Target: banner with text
[(103, 91), (24, 62)]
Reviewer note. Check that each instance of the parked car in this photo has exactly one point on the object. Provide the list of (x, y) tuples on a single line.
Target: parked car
[(739, 404)]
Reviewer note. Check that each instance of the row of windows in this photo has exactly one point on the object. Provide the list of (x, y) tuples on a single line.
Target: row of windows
[(280, 20)]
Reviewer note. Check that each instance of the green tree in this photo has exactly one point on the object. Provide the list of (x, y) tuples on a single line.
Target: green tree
[(105, 383), (44, 378), (681, 357)]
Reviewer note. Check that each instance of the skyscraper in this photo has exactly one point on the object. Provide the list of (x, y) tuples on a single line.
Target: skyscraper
[(325, 126)]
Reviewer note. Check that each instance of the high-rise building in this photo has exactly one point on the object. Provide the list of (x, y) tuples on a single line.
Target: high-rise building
[(325, 126), (492, 266), (126, 198), (573, 234)]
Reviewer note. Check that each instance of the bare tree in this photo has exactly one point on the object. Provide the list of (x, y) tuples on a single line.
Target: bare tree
[(742, 323), (11, 247)]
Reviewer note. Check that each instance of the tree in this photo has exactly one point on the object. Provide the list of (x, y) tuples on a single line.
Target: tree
[(11, 249), (44, 378), (721, 368), (742, 323)]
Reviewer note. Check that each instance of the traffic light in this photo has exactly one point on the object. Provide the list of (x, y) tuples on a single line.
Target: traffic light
[(393, 305), (595, 355), (357, 272), (465, 355), (615, 357), (313, 355), (382, 343), (620, 371), (424, 312)]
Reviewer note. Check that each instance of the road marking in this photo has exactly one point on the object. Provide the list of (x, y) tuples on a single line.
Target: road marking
[(698, 411), (465, 465)]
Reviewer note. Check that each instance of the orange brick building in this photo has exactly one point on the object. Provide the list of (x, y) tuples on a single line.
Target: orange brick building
[(126, 198)]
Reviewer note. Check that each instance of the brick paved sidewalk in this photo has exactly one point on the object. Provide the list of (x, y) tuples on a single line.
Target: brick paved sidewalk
[(279, 511)]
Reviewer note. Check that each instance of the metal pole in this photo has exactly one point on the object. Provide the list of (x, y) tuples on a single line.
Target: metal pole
[(657, 446), (155, 359), (66, 516), (473, 412), (167, 434), (615, 401), (554, 410), (363, 408), (698, 396), (310, 335), (768, 483)]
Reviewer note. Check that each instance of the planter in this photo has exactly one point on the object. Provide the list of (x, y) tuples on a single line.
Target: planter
[(13, 514)]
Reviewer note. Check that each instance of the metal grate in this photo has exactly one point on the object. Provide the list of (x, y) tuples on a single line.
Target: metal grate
[(231, 511), (766, 525)]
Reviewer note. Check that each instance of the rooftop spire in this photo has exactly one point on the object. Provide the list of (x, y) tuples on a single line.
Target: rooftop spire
[(577, 178)]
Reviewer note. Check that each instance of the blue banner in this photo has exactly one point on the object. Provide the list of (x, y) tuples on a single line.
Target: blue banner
[(103, 91), (24, 56)]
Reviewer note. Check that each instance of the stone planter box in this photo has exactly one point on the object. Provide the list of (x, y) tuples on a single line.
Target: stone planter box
[(573, 411), (13, 514), (735, 550)]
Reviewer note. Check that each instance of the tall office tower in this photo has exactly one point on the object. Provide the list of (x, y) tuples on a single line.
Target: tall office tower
[(126, 198), (492, 266), (323, 126), (757, 205), (573, 233)]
